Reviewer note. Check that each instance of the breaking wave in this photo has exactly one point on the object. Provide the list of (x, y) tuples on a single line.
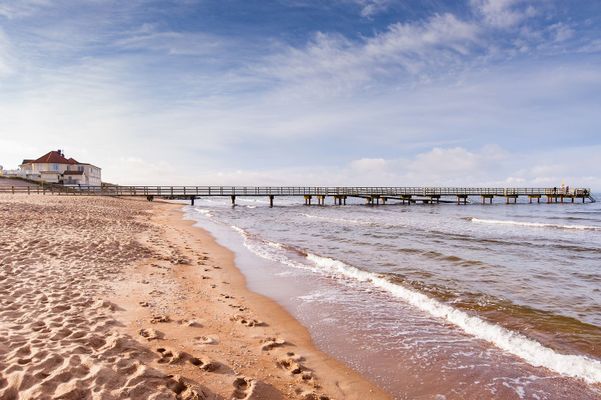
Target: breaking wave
[(536, 224)]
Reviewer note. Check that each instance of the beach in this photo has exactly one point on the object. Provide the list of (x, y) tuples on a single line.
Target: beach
[(105, 298)]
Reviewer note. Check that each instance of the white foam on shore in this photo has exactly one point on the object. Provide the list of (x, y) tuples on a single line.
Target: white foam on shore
[(536, 224), (204, 212), (512, 342)]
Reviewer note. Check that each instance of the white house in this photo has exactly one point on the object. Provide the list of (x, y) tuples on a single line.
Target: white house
[(53, 167)]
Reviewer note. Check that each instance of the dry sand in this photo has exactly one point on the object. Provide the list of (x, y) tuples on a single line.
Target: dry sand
[(121, 298)]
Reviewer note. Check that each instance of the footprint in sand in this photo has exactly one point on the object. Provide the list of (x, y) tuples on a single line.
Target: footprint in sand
[(293, 364), (313, 396), (244, 388), (184, 391), (206, 340), (159, 318), (151, 334), (247, 321), (180, 357), (272, 343)]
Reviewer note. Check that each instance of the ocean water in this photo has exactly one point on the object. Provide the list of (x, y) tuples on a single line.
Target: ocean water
[(470, 301)]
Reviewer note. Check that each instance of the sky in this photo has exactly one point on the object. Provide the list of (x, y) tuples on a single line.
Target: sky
[(301, 92)]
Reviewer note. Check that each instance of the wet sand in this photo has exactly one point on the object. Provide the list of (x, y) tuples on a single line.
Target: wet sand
[(119, 298)]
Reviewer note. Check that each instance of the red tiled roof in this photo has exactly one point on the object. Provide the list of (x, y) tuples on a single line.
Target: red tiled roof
[(26, 161), (74, 161), (53, 157)]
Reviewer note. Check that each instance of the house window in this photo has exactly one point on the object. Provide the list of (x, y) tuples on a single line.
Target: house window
[(55, 167)]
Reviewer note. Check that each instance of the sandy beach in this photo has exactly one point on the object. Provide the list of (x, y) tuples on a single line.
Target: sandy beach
[(119, 298)]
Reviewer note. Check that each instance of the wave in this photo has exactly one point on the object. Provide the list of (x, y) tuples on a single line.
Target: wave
[(204, 212), (531, 351), (332, 219), (535, 224)]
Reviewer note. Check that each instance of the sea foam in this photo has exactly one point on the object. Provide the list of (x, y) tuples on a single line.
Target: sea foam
[(536, 224)]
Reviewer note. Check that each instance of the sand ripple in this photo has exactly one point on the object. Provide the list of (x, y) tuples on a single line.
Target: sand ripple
[(57, 256)]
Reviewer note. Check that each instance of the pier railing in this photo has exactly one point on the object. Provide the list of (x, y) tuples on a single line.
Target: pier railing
[(357, 191)]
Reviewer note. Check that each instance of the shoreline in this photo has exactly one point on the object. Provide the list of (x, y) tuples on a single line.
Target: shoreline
[(326, 377)]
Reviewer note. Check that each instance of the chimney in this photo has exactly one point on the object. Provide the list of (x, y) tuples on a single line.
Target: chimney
[(60, 152)]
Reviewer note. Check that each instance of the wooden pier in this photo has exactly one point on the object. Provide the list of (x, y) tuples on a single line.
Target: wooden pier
[(371, 195)]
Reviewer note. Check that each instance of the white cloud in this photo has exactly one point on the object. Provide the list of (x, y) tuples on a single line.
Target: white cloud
[(22, 8), (561, 32), (370, 8), (403, 47), (503, 13), (6, 57), (170, 42), (490, 165), (438, 33)]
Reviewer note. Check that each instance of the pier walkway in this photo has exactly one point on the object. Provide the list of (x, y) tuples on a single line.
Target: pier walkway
[(372, 195)]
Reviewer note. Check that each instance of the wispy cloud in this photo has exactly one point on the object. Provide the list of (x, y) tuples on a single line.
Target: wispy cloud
[(6, 58), (370, 8), (410, 48), (21, 8), (503, 13)]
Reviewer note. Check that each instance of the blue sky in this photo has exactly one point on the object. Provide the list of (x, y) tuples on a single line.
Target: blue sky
[(341, 92)]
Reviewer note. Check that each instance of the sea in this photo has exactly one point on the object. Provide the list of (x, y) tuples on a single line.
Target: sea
[(432, 301)]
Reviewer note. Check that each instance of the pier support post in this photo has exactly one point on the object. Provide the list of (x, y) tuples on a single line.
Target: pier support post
[(308, 200), (191, 200), (271, 201), (233, 200), (344, 200)]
